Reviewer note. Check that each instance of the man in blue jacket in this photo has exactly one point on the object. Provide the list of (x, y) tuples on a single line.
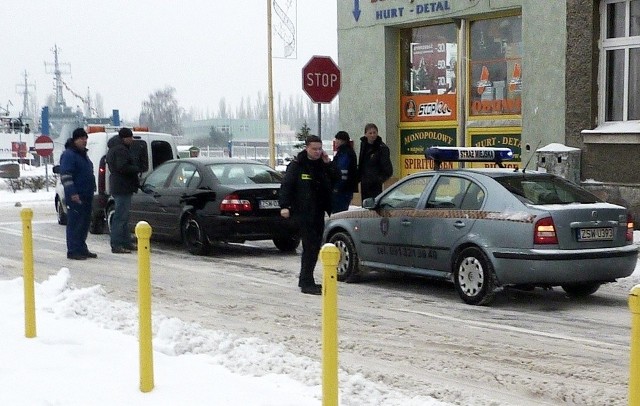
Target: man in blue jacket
[(76, 175), (347, 164)]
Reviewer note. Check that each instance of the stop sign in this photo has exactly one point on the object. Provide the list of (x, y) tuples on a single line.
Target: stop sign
[(321, 79), (43, 145)]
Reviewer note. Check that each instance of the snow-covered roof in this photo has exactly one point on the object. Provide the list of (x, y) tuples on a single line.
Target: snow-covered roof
[(556, 147)]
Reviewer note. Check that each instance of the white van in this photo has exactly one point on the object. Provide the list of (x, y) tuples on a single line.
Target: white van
[(152, 148)]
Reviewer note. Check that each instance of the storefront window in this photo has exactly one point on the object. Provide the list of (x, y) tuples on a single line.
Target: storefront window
[(429, 59), (621, 52), (495, 66)]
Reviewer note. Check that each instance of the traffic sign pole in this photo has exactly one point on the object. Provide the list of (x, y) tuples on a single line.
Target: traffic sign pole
[(320, 120)]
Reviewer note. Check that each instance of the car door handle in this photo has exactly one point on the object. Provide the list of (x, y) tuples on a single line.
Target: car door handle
[(406, 222), (459, 224)]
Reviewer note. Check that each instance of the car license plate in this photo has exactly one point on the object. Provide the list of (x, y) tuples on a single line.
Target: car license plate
[(269, 204), (595, 234)]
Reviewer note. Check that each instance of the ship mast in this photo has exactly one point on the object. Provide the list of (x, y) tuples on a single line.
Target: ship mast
[(24, 89), (57, 73)]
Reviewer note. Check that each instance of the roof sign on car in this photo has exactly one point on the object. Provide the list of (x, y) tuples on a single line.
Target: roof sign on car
[(468, 154)]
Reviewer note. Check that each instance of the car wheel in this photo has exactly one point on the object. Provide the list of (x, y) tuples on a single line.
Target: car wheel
[(193, 236), (62, 216), (97, 225), (348, 266), (581, 289), (473, 277), (287, 244), (111, 210)]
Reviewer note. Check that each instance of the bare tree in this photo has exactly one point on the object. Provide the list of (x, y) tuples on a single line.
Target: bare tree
[(161, 112)]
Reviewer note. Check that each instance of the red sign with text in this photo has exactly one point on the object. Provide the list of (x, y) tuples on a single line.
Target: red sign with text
[(321, 79)]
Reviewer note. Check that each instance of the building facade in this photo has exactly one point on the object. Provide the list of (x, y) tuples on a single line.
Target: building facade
[(520, 74)]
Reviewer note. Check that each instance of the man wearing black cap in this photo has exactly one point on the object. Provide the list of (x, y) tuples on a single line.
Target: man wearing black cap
[(123, 183), (76, 175), (346, 163)]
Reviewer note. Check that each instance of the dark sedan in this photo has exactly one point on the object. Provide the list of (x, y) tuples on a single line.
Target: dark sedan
[(200, 201)]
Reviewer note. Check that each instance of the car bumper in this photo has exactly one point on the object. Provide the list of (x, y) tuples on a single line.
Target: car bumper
[(238, 229), (556, 267)]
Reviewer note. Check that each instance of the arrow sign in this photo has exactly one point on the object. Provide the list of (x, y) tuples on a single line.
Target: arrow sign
[(356, 9)]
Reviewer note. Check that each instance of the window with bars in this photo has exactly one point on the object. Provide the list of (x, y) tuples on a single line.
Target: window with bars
[(620, 79)]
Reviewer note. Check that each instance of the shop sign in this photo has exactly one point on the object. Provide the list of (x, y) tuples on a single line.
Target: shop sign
[(414, 142), (510, 140)]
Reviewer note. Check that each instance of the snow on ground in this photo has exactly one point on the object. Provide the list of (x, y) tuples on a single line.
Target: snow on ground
[(86, 352)]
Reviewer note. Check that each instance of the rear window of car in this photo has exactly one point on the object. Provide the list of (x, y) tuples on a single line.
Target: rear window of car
[(546, 190), (242, 174)]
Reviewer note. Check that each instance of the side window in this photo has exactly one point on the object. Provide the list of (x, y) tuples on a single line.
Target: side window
[(159, 177), (405, 195), (450, 192), (161, 152), (183, 175), (473, 199)]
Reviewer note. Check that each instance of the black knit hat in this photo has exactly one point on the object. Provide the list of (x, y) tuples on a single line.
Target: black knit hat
[(78, 133), (342, 135), (125, 132)]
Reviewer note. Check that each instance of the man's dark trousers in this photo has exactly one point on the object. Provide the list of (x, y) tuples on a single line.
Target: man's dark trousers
[(311, 236)]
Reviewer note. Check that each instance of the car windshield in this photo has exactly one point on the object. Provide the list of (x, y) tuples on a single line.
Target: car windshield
[(546, 190), (244, 173)]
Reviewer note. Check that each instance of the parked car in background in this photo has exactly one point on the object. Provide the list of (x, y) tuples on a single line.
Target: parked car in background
[(200, 201), (484, 229), (150, 148)]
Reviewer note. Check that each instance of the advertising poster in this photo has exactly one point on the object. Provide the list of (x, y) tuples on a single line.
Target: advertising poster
[(494, 139), (429, 108), (495, 66), (415, 141)]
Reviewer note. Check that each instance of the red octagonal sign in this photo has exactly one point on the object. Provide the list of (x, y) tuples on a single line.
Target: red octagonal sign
[(321, 79)]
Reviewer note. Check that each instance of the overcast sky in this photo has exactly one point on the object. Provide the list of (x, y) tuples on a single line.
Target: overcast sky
[(125, 50)]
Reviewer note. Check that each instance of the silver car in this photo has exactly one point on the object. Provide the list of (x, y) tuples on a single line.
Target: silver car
[(488, 228)]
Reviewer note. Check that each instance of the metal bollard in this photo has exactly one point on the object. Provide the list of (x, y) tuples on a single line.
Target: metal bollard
[(330, 256), (634, 365), (27, 258), (143, 232)]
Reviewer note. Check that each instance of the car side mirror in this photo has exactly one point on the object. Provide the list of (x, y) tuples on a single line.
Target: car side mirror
[(369, 203)]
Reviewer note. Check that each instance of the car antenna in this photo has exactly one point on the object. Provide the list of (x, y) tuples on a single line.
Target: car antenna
[(529, 160)]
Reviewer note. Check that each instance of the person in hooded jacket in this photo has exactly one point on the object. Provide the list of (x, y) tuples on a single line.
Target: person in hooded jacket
[(375, 165), (346, 163), (123, 183), (76, 175), (305, 197)]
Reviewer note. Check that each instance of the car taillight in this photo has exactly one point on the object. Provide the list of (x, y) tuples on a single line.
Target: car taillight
[(629, 227), (545, 232), (102, 170), (233, 203)]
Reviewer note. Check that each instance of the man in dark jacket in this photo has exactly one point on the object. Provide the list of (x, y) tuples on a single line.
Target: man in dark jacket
[(123, 183), (76, 175), (375, 165), (346, 163), (305, 196)]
